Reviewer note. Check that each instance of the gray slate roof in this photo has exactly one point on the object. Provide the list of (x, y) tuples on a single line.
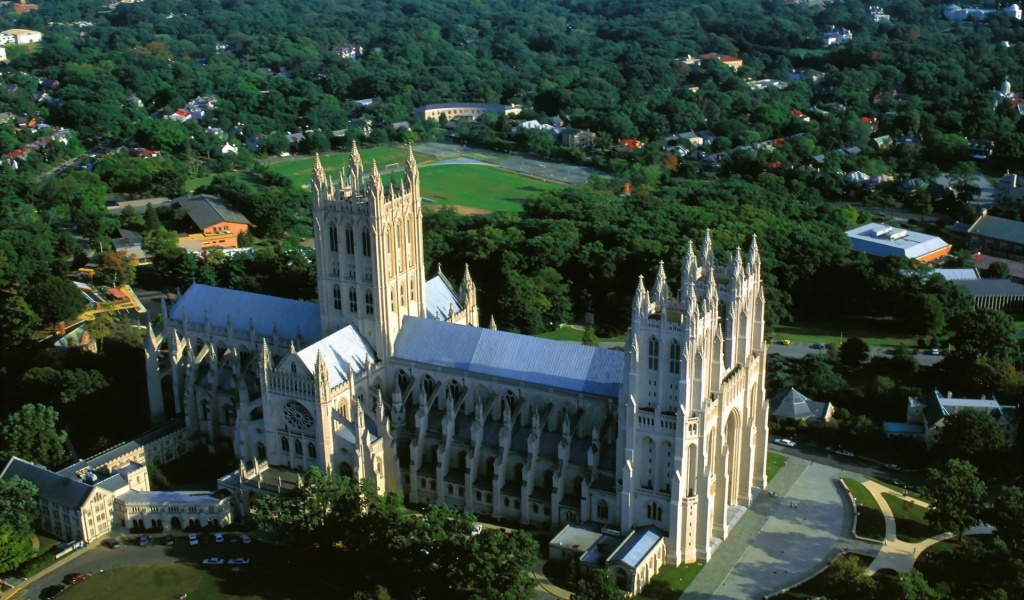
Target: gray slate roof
[(264, 311), (991, 288), (440, 297), (64, 491), (638, 545), (791, 404), (206, 211), (1000, 229), (341, 349), (511, 356)]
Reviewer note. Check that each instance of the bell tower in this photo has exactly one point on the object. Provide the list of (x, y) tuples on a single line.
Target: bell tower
[(369, 246)]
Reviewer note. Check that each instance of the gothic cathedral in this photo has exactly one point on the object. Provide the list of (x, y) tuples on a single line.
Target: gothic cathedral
[(389, 376)]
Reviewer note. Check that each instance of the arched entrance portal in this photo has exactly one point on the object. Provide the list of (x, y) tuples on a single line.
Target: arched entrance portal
[(175, 523)]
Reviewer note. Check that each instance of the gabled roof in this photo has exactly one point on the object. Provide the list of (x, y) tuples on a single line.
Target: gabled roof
[(63, 491), (791, 404), (206, 211), (511, 356), (440, 297), (340, 350), (991, 288), (1000, 229), (263, 311), (637, 546)]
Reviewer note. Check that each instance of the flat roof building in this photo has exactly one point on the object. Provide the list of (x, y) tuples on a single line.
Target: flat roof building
[(463, 110), (877, 239)]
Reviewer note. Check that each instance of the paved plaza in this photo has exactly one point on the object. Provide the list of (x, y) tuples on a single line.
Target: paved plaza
[(782, 539)]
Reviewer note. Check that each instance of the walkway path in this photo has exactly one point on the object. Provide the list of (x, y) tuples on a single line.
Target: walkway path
[(546, 588), (894, 553), (775, 545)]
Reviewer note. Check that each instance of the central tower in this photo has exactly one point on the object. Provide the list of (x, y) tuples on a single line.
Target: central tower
[(369, 249)]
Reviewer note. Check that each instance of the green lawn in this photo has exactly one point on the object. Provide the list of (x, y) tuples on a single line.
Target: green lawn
[(671, 581), (871, 522), (165, 582), (479, 189), (195, 183), (875, 332), (775, 462), (45, 543), (567, 333), (911, 525), (299, 168)]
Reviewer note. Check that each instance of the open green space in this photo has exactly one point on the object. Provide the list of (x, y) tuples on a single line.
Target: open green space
[(818, 586), (568, 333), (169, 581), (870, 521), (911, 525), (479, 189), (898, 490), (671, 581), (775, 462), (299, 168), (876, 332), (44, 543)]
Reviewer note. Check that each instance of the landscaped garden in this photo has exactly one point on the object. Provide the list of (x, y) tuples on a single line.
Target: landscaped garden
[(911, 525), (168, 581), (870, 520), (820, 585)]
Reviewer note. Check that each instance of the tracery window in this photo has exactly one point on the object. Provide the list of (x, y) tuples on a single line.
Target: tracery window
[(366, 241), (369, 302), (652, 354), (337, 297), (334, 237), (297, 417), (675, 355), (353, 300), (350, 240)]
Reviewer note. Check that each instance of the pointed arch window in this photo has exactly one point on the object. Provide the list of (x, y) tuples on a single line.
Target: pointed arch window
[(366, 241), (353, 300), (399, 247), (369, 302), (298, 447), (284, 444), (333, 234), (675, 357), (350, 240), (337, 297), (401, 295), (312, 450), (411, 254), (602, 509), (652, 354), (390, 251)]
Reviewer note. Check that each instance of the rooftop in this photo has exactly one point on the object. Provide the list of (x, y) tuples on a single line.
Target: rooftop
[(999, 228), (637, 546), (207, 211), (265, 313), (988, 288), (58, 489), (342, 350), (878, 239)]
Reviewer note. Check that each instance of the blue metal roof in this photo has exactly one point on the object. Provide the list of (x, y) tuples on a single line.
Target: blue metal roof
[(895, 428), (638, 545), (511, 356), (264, 311), (339, 350), (440, 297)]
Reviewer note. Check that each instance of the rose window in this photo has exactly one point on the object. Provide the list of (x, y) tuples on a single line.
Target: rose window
[(297, 416)]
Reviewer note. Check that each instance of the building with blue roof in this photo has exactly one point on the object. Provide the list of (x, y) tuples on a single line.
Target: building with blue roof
[(390, 376)]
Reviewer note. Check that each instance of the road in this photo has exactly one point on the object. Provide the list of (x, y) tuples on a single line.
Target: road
[(98, 558), (802, 349), (864, 466)]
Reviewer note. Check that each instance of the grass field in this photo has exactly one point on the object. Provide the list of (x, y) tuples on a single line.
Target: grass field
[(482, 189), (870, 522), (166, 582), (567, 333), (911, 525), (298, 168), (671, 581), (775, 462), (875, 333)]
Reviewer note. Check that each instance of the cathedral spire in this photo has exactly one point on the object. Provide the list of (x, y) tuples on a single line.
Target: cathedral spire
[(753, 258), (355, 163), (641, 299), (377, 186), (707, 253), (689, 274), (322, 376), (659, 291), (493, 325), (321, 183)]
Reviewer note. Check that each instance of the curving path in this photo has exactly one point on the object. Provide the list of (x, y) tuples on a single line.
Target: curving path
[(894, 553)]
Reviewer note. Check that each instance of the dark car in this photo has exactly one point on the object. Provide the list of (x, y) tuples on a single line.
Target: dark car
[(112, 544), (51, 592)]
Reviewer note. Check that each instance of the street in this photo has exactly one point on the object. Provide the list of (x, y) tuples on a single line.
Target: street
[(801, 349)]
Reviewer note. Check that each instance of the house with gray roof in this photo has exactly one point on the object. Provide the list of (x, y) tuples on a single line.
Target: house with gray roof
[(793, 406), (996, 236), (925, 417)]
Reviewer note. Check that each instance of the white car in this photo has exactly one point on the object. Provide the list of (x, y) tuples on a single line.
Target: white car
[(218, 537), (193, 539), (476, 529), (238, 561), (245, 538), (785, 442), (844, 453), (213, 561)]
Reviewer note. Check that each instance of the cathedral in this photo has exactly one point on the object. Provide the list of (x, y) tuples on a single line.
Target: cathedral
[(390, 376)]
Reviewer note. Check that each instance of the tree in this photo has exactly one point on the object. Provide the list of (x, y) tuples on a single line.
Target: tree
[(913, 586), (17, 321), (114, 268), (498, 565), (1007, 516), (985, 332), (56, 299), (853, 352), (957, 492), (598, 584), (997, 270), (971, 435), (15, 548), (31, 433), (589, 338), (846, 578), (18, 506)]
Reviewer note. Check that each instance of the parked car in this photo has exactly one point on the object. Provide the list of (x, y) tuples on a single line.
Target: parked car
[(894, 466), (245, 538), (476, 529), (785, 442), (238, 561), (218, 537), (785, 342), (51, 592), (213, 561), (193, 539), (935, 351), (842, 452), (112, 544), (73, 578), (818, 346)]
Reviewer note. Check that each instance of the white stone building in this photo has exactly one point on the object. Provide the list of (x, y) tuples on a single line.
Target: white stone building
[(390, 377)]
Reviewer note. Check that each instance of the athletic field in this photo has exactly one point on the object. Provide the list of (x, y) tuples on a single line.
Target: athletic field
[(479, 189), (299, 168)]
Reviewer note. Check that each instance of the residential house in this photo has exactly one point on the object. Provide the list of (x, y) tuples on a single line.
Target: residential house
[(19, 36), (805, 74), (732, 62), (956, 13), (836, 35), (798, 115), (877, 14), (3, 54), (925, 418), (791, 405), (295, 139), (181, 115), (227, 148), (980, 149), (219, 225), (629, 145), (577, 138), (130, 242), (1011, 187)]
